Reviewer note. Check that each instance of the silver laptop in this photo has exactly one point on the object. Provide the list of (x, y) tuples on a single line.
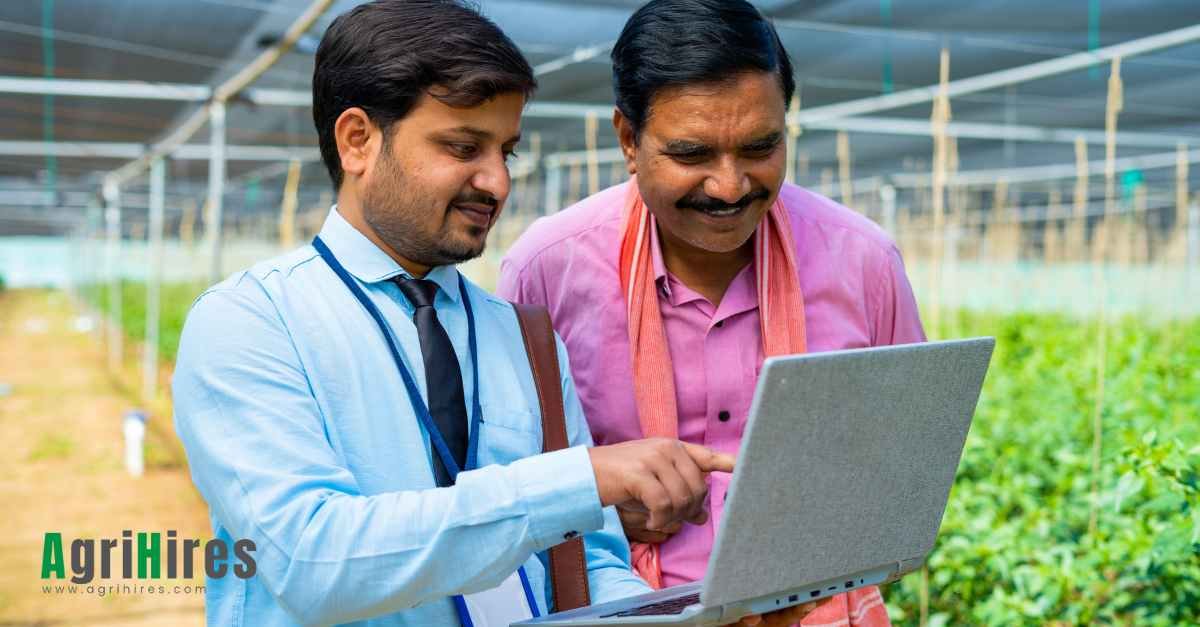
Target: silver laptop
[(841, 482)]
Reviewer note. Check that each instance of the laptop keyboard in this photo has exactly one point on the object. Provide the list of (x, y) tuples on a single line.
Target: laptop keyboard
[(662, 608)]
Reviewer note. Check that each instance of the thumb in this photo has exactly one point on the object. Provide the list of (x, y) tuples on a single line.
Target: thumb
[(709, 460)]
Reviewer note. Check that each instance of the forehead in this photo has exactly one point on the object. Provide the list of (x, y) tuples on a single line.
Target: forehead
[(499, 116), (747, 104)]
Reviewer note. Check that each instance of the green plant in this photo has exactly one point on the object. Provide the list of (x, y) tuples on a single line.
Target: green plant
[(1015, 547), (175, 300)]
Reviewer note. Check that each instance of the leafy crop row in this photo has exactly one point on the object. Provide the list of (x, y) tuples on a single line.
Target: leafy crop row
[(1015, 545)]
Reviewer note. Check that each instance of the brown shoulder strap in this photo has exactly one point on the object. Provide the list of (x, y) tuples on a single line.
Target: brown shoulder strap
[(568, 568)]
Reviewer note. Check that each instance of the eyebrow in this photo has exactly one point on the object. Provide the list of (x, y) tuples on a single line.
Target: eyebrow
[(689, 147), (769, 139), (481, 134), (684, 146)]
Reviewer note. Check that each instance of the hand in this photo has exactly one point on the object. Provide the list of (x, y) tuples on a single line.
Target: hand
[(634, 521), (782, 618), (659, 476)]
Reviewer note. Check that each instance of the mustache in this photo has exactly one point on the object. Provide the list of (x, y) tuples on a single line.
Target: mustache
[(704, 202), (478, 198)]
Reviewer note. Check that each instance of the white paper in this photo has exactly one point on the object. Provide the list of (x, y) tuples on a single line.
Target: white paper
[(501, 606)]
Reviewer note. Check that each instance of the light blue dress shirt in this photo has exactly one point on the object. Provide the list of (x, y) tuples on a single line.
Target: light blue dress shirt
[(301, 438)]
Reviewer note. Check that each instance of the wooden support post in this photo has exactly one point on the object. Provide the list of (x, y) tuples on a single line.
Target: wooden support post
[(845, 184), (287, 211), (793, 131), (939, 119), (593, 164)]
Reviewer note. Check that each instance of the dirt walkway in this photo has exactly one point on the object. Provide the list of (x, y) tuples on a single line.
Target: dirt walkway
[(61, 470)]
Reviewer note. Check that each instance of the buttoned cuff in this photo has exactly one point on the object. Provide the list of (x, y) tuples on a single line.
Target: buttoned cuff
[(559, 491)]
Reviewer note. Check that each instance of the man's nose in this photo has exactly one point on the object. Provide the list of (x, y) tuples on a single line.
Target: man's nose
[(728, 182)]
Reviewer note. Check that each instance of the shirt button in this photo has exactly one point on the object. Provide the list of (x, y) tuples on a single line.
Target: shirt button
[(570, 535), (723, 416)]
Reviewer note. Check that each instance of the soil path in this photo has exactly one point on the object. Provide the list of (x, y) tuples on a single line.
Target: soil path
[(61, 470)]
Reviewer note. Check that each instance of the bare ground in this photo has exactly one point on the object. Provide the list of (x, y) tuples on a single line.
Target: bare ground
[(61, 470)]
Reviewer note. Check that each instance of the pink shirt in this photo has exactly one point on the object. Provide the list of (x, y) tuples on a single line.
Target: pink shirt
[(855, 294)]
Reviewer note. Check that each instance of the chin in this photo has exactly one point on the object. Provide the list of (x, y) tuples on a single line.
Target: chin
[(463, 250), (723, 243)]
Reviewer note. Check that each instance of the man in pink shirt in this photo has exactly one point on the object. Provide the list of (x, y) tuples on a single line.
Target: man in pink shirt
[(670, 290)]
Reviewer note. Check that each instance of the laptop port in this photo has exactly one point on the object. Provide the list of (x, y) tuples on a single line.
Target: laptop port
[(793, 598), (849, 584), (815, 593)]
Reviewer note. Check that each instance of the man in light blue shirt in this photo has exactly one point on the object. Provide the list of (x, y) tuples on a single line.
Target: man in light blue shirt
[(298, 427)]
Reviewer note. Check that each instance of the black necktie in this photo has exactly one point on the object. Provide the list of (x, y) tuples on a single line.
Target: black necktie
[(443, 379)]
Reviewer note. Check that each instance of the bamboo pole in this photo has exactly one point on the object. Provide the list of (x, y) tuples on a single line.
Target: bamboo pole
[(287, 211), (923, 596), (573, 183), (1116, 102), (957, 200), (845, 183), (1077, 235), (939, 119), (1178, 245), (1100, 245), (793, 132), (591, 128), (1051, 242), (535, 149), (187, 223)]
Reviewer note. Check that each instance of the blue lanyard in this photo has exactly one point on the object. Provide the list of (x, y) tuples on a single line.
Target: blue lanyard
[(414, 393), (422, 411)]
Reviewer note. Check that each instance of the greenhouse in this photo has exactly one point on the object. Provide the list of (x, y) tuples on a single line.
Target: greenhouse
[(1037, 165)]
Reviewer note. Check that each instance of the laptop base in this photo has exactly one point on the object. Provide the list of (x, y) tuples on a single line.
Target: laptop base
[(635, 610)]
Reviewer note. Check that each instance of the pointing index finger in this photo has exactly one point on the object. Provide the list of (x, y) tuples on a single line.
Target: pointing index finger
[(709, 460)]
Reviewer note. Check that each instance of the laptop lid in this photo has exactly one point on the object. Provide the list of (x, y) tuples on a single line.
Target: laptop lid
[(846, 464)]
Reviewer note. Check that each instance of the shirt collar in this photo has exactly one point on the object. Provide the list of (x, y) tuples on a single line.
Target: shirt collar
[(656, 259), (368, 263)]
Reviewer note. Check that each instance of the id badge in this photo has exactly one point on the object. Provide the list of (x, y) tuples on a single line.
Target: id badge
[(507, 603)]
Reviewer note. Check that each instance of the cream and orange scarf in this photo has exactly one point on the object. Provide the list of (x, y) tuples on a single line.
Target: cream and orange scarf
[(781, 321)]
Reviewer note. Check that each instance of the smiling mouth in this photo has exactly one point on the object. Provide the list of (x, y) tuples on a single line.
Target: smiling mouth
[(723, 212), (480, 214)]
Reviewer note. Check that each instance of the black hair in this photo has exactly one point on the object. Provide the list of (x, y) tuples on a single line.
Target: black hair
[(383, 55), (678, 42)]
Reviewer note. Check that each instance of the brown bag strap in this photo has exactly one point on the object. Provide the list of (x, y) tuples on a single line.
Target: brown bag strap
[(568, 568)]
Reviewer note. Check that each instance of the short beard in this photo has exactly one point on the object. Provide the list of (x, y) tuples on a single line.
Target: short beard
[(391, 208)]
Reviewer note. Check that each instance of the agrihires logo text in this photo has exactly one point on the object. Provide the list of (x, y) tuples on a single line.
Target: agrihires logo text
[(146, 556)]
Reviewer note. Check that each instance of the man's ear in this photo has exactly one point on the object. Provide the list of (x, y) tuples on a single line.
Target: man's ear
[(628, 139), (359, 141)]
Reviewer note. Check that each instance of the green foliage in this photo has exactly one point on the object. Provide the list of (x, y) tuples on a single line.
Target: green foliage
[(2, 283), (175, 300), (1015, 546)]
